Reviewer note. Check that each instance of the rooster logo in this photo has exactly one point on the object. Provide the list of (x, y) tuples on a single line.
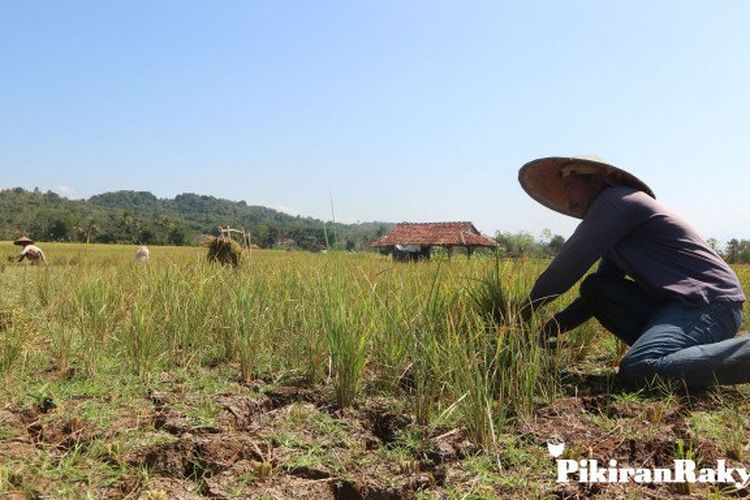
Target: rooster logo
[(555, 449)]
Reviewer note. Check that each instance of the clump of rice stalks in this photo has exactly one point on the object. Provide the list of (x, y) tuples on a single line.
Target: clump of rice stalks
[(142, 343), (97, 309), (15, 329), (735, 439), (224, 251), (6, 319), (685, 451), (247, 322), (61, 348), (11, 345), (489, 298), (430, 336), (348, 337), (500, 368)]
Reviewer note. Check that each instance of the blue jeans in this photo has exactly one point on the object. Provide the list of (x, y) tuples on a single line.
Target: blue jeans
[(668, 338)]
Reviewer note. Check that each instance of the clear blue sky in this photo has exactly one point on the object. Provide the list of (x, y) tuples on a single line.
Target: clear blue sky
[(405, 110)]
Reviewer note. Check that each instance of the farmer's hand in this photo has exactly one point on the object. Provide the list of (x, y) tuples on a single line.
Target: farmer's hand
[(549, 331), (551, 328), (526, 310)]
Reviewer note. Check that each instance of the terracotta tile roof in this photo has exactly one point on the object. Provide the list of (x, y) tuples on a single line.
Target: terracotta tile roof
[(435, 233)]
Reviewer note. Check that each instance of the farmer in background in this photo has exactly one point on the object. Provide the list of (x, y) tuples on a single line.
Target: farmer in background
[(30, 251), (142, 254), (659, 287)]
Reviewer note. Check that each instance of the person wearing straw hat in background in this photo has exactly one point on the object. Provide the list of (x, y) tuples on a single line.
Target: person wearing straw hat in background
[(659, 286), (30, 251), (142, 254)]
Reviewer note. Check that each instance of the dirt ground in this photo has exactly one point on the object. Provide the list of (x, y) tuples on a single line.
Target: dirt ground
[(288, 441)]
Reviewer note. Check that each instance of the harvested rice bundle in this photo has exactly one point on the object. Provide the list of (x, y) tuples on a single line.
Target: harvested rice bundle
[(224, 251)]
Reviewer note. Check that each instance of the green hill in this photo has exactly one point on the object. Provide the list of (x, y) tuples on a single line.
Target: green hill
[(141, 217)]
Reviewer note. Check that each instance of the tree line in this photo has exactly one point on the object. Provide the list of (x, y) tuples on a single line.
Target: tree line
[(736, 251), (523, 244), (139, 217)]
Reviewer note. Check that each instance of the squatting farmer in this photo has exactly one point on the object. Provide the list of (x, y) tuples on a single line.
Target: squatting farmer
[(30, 251), (142, 254), (659, 287)]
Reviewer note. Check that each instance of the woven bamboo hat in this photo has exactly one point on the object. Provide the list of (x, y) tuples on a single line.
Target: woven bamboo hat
[(23, 241), (542, 179)]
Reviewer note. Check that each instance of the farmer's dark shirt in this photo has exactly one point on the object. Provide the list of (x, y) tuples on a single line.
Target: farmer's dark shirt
[(634, 235)]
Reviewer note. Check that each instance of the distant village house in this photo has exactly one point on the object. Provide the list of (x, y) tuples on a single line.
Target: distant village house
[(410, 241)]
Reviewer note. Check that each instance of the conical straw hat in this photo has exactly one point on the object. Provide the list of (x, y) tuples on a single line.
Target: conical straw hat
[(542, 179), (23, 241)]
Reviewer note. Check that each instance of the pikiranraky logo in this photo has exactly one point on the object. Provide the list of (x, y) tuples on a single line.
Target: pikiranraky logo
[(682, 471)]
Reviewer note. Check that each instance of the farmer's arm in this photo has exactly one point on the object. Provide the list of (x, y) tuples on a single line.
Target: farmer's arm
[(578, 312), (608, 220)]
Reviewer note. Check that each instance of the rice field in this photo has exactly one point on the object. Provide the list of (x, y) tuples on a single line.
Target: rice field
[(318, 376)]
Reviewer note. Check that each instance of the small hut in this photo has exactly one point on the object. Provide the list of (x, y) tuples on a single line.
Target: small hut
[(410, 241)]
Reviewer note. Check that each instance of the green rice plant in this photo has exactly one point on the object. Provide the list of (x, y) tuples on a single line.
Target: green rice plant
[(501, 371), (248, 324), (489, 298), (521, 365), (306, 323), (390, 347), (6, 318), (185, 302), (314, 342), (167, 295), (6, 472), (45, 286), (429, 336), (348, 330), (18, 330), (97, 306), (11, 348), (348, 352), (684, 451), (735, 424), (293, 316), (141, 341), (506, 371), (61, 347), (581, 342), (474, 377)]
